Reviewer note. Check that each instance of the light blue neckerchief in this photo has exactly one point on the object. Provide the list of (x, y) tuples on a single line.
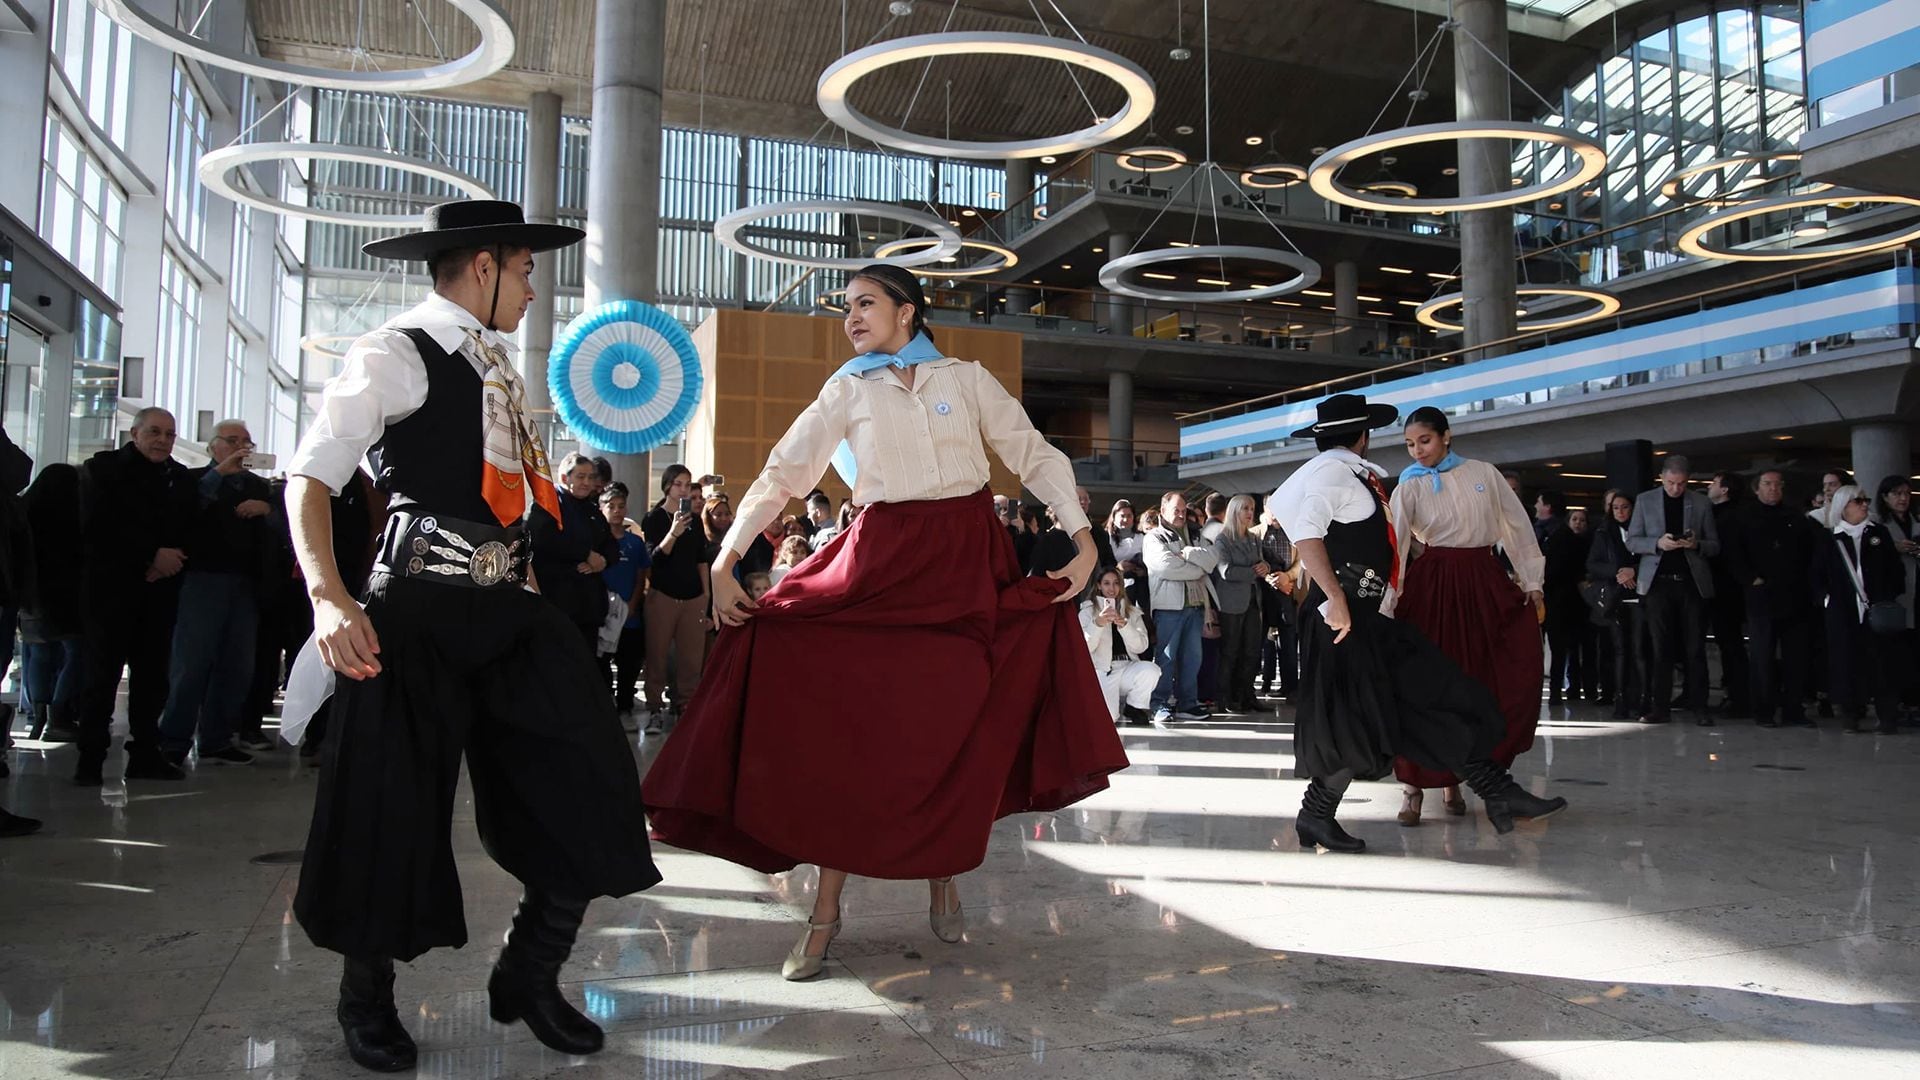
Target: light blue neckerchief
[(917, 351), (1451, 461)]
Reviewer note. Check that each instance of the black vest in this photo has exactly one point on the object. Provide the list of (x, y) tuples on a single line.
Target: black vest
[(431, 462), (1363, 543)]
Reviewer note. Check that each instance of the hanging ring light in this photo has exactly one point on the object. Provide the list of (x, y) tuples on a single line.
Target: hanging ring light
[(1733, 196), (1694, 240), (1007, 258), (1113, 276), (1322, 176), (216, 171), (1271, 177), (836, 84), (728, 231), (489, 56), (1151, 158), (1605, 304), (328, 346)]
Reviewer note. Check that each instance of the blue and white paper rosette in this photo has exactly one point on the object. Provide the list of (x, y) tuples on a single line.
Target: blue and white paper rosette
[(625, 377)]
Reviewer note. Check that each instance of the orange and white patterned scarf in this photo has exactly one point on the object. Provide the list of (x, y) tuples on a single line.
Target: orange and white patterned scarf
[(514, 461)]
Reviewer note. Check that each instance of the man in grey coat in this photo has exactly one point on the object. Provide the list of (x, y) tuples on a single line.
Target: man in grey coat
[(1178, 564), (1674, 535)]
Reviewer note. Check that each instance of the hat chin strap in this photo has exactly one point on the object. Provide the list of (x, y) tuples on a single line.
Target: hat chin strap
[(493, 309)]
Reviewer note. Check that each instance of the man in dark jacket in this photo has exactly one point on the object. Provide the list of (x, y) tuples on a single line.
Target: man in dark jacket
[(1727, 611), (230, 543), (1770, 556), (16, 468), (568, 555), (132, 503)]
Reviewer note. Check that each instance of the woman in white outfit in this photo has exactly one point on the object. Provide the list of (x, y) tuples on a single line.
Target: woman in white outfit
[(1116, 633)]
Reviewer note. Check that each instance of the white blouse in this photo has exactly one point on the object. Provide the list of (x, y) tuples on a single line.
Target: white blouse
[(1474, 508), (910, 445)]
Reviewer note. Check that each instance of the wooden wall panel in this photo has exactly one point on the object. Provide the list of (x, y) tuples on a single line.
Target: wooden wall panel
[(763, 368)]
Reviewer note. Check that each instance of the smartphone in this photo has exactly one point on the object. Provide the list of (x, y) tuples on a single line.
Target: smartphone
[(686, 506), (261, 462), (1105, 602), (713, 480)]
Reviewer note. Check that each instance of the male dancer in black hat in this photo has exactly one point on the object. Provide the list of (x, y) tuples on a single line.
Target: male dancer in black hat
[(449, 652), (1373, 687)]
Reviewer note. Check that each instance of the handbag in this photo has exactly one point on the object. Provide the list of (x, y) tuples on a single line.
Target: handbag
[(1603, 599), (1886, 617), (1210, 622)]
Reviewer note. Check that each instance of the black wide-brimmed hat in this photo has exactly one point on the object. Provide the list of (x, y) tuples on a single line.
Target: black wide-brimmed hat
[(1344, 414), (472, 223)]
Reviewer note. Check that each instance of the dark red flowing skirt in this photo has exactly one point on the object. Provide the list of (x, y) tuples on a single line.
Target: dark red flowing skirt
[(1463, 601), (896, 694)]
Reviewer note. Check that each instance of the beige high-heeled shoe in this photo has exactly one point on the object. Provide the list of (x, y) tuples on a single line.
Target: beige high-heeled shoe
[(948, 926), (1455, 802), (801, 967), (1410, 800)]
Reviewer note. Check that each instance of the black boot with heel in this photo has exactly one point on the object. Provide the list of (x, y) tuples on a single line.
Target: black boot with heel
[(526, 979), (375, 1038), (1506, 800), (1315, 826)]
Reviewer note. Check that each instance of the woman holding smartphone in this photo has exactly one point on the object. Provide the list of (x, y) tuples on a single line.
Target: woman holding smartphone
[(1116, 633), (977, 695), (676, 605)]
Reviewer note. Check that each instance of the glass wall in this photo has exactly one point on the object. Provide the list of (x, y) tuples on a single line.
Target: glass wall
[(186, 198), (94, 54), (96, 382), (179, 347), (82, 210), (1679, 93)]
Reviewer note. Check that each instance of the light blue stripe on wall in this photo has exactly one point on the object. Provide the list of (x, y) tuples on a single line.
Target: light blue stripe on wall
[(1885, 39), (1801, 315), (1824, 13)]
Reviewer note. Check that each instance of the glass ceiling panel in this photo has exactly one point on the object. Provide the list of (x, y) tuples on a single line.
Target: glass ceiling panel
[(1549, 7)]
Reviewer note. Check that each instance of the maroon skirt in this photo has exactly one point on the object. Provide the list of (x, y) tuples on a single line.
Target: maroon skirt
[(1463, 601), (897, 693)]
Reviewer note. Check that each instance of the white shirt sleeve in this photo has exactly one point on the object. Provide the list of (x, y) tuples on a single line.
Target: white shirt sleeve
[(797, 463), (382, 382), (1005, 427), (1302, 505)]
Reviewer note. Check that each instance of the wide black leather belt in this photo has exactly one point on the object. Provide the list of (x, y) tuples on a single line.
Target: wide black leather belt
[(453, 552)]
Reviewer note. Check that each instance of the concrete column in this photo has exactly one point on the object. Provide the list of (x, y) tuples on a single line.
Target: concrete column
[(1881, 450), (1120, 426), (1019, 186), (1346, 292), (541, 200), (623, 167), (1486, 236), (1121, 319)]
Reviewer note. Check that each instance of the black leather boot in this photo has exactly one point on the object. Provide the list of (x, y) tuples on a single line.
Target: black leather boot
[(526, 979), (41, 715), (1315, 825), (1505, 799), (63, 723), (375, 1038)]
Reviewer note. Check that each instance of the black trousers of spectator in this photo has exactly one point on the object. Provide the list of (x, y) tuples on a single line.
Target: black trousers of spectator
[(1623, 658), (1570, 651), (1676, 616), (1728, 615), (1865, 667), (136, 636), (631, 659), (286, 621), (1780, 689), (1280, 659)]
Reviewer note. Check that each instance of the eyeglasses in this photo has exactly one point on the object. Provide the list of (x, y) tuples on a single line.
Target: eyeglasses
[(235, 440)]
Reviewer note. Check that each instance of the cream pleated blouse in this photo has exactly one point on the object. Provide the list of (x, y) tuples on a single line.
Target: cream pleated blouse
[(1474, 508)]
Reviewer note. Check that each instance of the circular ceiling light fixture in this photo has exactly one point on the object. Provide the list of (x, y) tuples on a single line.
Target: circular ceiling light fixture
[(1605, 304), (1180, 53), (216, 170), (836, 83), (1276, 175), (489, 55), (1113, 276), (1150, 159), (1255, 140), (582, 128), (834, 300), (912, 244), (1398, 189), (1719, 167), (729, 228), (1183, 129), (329, 346), (1694, 240), (1323, 174)]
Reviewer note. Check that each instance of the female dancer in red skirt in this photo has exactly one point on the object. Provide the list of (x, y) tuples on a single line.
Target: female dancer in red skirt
[(972, 692), (1458, 594)]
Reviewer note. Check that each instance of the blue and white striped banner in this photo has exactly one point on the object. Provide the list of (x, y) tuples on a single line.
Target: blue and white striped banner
[(1887, 298), (1850, 42)]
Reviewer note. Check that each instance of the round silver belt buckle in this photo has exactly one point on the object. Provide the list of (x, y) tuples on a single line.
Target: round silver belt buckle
[(490, 563)]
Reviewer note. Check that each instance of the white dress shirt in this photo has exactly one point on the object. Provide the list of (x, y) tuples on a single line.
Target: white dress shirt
[(1326, 489), (383, 382), (909, 445)]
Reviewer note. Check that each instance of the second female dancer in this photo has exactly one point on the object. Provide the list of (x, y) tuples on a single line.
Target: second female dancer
[(976, 696), (1457, 594)]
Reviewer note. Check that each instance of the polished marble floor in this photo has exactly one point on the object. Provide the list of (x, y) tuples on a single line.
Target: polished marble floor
[(1723, 901)]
